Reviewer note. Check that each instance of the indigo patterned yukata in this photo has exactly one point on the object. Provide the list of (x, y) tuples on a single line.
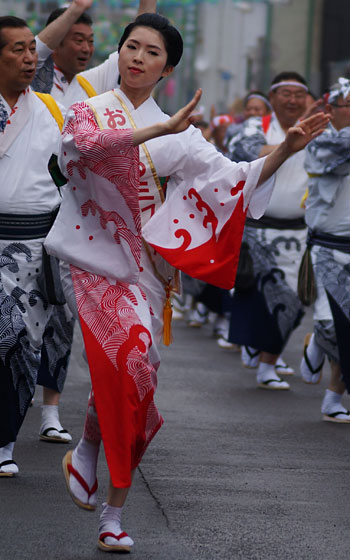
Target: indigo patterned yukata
[(328, 219), (264, 316), (28, 200)]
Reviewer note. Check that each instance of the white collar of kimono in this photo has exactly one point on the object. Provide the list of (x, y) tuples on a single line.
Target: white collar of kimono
[(18, 117), (149, 101), (59, 79), (288, 84)]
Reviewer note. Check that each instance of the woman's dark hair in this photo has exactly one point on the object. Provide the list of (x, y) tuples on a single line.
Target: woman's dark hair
[(253, 93), (84, 18), (285, 76), (9, 21), (171, 37)]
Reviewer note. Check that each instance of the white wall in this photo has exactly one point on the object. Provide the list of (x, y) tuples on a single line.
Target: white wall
[(227, 35)]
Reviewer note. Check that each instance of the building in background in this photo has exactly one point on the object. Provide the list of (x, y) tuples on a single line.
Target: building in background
[(231, 46), (242, 45), (335, 48)]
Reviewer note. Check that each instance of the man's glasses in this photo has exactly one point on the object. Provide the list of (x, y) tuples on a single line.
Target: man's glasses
[(286, 94)]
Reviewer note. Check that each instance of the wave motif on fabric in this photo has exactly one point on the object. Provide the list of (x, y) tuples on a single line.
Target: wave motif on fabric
[(110, 312), (101, 147)]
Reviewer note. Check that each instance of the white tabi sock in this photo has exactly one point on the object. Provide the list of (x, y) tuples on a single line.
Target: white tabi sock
[(6, 455), (110, 521), (84, 460), (266, 375), (266, 372), (315, 353), (282, 367), (312, 361), (50, 419), (250, 357), (331, 403)]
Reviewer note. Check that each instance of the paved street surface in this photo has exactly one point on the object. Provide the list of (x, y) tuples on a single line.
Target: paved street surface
[(236, 473)]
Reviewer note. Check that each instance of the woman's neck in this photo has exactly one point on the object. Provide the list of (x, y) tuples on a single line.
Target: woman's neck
[(137, 96)]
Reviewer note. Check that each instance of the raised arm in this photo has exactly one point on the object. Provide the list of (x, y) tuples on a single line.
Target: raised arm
[(54, 33), (297, 138), (147, 7), (267, 149)]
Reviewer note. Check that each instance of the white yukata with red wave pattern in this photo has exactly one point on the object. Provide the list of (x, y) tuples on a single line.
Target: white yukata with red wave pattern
[(108, 206)]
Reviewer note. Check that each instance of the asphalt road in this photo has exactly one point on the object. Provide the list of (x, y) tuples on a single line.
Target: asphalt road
[(236, 473)]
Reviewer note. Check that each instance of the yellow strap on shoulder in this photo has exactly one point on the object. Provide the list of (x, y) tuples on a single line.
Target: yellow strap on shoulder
[(87, 87), (303, 200), (52, 107)]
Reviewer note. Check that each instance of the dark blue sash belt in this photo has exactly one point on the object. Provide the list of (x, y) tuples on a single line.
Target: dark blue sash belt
[(336, 242), (26, 226), (276, 223)]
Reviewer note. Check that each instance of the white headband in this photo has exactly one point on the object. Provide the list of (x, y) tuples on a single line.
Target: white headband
[(295, 84), (257, 96), (341, 88)]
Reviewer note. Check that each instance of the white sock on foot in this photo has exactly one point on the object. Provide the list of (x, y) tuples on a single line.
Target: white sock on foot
[(250, 357), (266, 372), (282, 367), (6, 455), (331, 403), (315, 353), (315, 358), (50, 419), (84, 460), (110, 521)]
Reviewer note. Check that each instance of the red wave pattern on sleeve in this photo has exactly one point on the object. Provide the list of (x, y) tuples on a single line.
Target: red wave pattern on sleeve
[(107, 153), (216, 260)]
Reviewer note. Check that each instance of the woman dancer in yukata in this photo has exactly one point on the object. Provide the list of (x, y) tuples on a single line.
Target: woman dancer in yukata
[(112, 204)]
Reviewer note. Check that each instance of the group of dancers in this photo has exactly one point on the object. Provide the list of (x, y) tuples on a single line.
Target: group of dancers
[(145, 195)]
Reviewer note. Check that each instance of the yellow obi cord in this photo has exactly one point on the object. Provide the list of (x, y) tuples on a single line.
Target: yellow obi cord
[(167, 316), (303, 200)]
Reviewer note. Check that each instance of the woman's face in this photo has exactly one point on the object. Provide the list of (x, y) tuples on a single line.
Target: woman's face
[(255, 108), (142, 59)]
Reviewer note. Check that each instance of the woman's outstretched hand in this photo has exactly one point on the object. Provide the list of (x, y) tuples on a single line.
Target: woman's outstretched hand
[(182, 119), (296, 139), (299, 136)]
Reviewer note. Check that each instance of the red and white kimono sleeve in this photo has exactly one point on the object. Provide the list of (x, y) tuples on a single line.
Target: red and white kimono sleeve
[(98, 227), (199, 227)]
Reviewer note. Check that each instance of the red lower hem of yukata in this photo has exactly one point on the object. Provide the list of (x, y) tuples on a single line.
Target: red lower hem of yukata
[(122, 416)]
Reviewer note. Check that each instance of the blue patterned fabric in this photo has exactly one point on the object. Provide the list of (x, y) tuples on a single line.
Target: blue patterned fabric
[(43, 79), (34, 336), (264, 316), (3, 116), (246, 140), (332, 271)]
